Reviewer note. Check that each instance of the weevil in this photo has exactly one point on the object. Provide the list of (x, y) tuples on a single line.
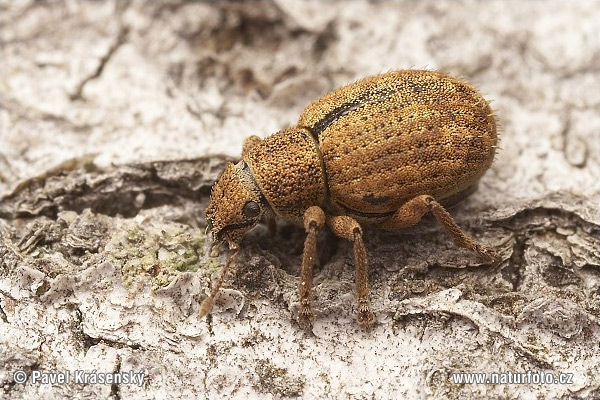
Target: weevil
[(382, 151)]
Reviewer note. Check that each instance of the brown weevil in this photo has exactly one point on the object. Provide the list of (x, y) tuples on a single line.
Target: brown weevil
[(382, 151)]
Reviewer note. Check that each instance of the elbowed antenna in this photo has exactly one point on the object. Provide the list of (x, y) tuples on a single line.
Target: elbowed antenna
[(209, 302)]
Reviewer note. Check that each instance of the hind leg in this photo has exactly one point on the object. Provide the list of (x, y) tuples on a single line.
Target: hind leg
[(411, 212)]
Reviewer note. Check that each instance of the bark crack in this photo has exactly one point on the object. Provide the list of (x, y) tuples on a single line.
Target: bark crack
[(115, 390), (77, 93)]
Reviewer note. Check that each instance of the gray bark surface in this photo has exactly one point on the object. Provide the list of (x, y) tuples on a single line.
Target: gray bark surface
[(117, 117)]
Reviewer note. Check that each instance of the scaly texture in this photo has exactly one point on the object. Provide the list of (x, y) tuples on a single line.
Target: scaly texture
[(288, 170), (391, 137)]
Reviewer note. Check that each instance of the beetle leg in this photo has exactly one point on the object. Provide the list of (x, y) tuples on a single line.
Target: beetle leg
[(314, 219), (413, 210), (249, 143), (347, 228)]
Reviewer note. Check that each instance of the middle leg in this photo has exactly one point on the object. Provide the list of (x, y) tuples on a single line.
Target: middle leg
[(347, 228)]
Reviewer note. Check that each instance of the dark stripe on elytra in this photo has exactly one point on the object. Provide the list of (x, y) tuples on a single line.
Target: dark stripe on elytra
[(371, 97), (332, 116)]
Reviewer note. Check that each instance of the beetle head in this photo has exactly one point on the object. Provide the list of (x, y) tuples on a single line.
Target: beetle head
[(236, 204)]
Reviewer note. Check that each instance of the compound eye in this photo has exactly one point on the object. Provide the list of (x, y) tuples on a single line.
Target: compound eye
[(251, 209)]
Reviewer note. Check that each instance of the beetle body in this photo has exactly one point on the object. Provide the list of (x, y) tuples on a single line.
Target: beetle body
[(382, 151), (368, 147)]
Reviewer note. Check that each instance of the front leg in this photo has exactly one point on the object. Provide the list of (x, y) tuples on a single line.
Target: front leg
[(314, 219), (347, 228)]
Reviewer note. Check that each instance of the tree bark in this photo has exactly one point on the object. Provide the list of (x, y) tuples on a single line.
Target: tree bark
[(117, 118)]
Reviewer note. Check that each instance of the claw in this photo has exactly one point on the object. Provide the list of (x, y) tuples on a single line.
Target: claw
[(364, 316), (488, 255), (306, 317)]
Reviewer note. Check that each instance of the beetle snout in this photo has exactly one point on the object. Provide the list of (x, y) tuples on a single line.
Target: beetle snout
[(235, 205)]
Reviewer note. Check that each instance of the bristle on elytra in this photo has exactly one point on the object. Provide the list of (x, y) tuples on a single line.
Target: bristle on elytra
[(209, 302)]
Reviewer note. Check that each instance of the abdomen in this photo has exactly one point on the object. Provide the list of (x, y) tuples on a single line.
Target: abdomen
[(394, 136)]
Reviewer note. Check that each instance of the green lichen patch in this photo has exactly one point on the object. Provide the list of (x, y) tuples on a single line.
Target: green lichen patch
[(156, 252)]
